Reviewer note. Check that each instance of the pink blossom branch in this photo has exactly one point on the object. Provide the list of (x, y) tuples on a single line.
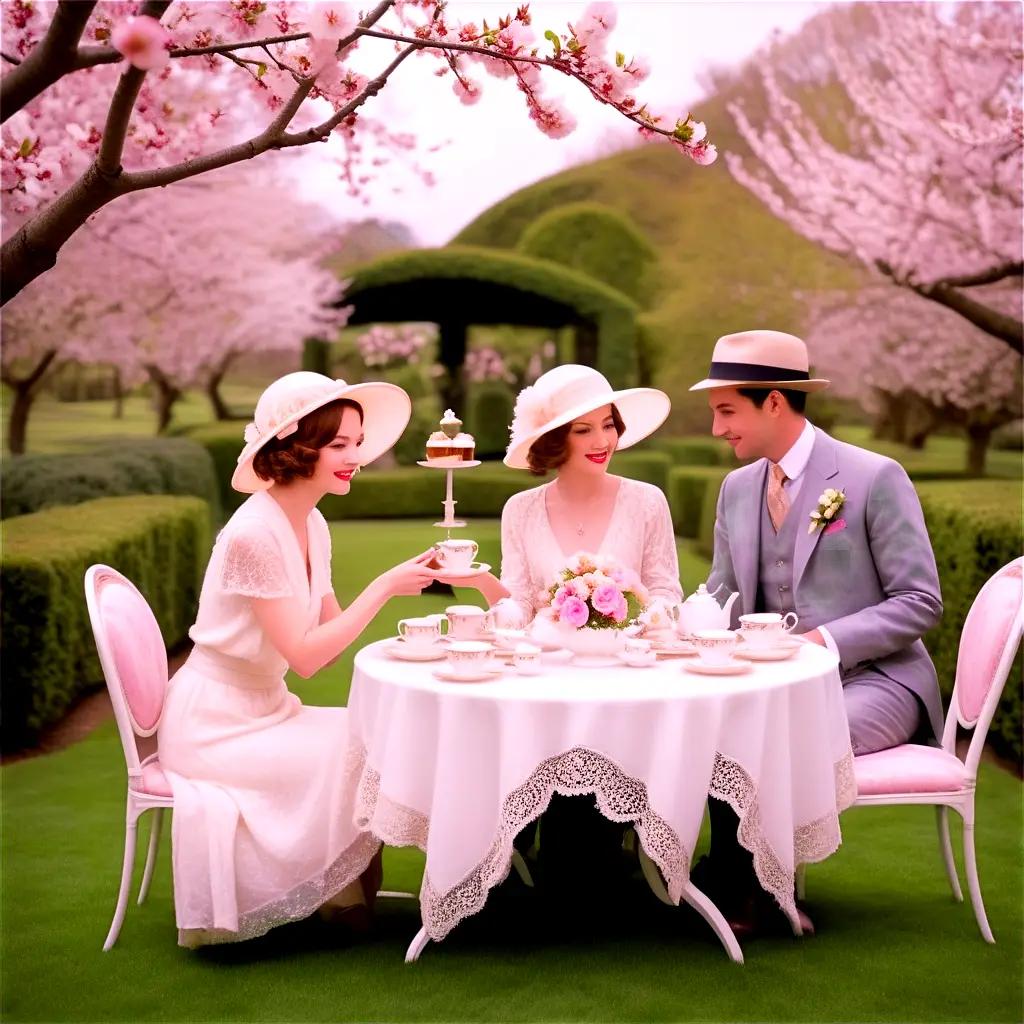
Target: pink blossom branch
[(990, 276), (49, 61), (10, 58)]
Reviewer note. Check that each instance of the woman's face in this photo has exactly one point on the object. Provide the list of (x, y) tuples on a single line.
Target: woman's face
[(340, 457), (591, 442)]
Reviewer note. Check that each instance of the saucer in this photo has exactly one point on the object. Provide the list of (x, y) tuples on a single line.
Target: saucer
[(475, 569), (646, 662), (733, 668), (778, 653), (397, 648), (448, 676)]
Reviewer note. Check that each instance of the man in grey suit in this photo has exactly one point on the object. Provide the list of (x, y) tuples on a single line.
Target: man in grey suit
[(860, 576)]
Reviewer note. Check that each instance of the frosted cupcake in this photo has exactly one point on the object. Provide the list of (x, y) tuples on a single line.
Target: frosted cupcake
[(450, 445)]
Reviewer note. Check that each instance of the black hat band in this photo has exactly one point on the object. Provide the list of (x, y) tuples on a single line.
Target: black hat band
[(755, 371)]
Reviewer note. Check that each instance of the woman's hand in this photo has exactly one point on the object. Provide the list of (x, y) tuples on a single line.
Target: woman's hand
[(407, 579)]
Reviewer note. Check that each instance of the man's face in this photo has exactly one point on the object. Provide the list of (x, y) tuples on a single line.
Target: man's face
[(749, 430)]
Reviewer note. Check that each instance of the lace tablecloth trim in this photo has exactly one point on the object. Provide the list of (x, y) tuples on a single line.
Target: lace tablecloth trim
[(296, 904), (579, 771), (811, 842)]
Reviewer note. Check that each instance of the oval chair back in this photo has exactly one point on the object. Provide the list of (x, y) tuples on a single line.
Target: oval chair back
[(133, 657), (988, 645)]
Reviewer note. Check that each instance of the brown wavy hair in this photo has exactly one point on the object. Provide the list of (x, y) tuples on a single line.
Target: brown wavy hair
[(551, 450), (295, 457)]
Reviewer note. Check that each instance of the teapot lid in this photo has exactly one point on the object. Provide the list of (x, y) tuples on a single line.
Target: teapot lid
[(701, 594)]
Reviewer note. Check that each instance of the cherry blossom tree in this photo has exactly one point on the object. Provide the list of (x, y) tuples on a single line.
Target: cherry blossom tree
[(388, 345), (887, 347), (171, 288), (918, 172), (104, 100)]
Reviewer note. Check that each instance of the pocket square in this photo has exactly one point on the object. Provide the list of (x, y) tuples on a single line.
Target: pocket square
[(839, 524)]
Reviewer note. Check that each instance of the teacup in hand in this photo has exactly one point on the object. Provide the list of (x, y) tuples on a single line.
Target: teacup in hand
[(637, 651), (468, 622), (423, 632), (468, 658), (456, 555), (715, 646), (766, 629)]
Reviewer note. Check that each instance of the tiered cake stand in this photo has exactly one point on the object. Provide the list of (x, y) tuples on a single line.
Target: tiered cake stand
[(450, 522)]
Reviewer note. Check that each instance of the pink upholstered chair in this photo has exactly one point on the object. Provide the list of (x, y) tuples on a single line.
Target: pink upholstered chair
[(134, 661), (913, 774)]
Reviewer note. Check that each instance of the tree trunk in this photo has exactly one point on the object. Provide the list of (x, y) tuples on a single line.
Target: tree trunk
[(220, 409), (891, 422), (978, 438), (118, 395), (165, 394), (25, 389)]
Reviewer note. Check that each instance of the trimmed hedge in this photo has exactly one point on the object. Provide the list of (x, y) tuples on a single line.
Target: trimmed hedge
[(975, 529), (467, 285), (687, 488), (651, 467), (694, 451), (596, 240), (160, 465), (161, 543), (488, 414)]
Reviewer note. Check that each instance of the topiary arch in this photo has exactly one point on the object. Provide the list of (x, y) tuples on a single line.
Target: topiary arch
[(459, 286)]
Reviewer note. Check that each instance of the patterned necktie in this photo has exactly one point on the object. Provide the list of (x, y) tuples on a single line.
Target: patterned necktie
[(778, 502)]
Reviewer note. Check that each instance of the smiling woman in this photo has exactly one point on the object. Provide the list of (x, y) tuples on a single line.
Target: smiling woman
[(262, 828)]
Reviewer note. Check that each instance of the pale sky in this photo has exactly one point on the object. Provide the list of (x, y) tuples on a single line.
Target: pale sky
[(493, 148)]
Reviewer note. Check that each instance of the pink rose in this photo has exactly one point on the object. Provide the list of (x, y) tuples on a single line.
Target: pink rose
[(621, 610), (606, 598), (574, 612), (561, 594)]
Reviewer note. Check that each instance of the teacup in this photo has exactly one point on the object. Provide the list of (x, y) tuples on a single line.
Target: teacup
[(526, 659), (637, 651), (468, 622), (766, 629), (456, 555), (468, 657), (509, 639), (422, 632), (715, 646)]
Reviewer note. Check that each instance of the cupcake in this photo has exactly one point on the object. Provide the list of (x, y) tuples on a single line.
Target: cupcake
[(450, 445)]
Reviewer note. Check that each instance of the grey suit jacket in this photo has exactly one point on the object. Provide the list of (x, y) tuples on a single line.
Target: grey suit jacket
[(873, 584)]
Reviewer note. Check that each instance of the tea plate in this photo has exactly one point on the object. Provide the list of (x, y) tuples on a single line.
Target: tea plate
[(638, 662), (479, 675), (778, 653), (733, 668), (398, 648), (475, 569)]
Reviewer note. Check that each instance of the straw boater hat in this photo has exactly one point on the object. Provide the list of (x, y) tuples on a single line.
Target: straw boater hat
[(567, 392), (386, 412), (760, 359)]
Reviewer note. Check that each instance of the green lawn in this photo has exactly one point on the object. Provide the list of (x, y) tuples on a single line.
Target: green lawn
[(891, 946)]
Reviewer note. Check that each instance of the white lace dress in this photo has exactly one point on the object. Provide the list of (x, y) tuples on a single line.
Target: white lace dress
[(639, 536), (262, 828)]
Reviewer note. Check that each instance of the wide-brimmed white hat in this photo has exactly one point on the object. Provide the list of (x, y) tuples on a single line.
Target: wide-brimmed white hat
[(760, 359), (567, 392), (386, 412)]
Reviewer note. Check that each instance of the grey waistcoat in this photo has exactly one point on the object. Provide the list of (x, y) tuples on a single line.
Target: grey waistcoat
[(775, 571)]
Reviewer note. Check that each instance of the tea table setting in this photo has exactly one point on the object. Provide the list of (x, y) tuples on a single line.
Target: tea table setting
[(461, 732)]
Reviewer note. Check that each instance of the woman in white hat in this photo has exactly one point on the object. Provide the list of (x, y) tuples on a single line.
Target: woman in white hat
[(262, 824), (572, 422)]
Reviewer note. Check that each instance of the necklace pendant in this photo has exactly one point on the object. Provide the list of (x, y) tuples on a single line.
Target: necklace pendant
[(579, 530)]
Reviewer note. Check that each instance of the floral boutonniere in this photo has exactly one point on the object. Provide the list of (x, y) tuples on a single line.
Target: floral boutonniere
[(830, 502)]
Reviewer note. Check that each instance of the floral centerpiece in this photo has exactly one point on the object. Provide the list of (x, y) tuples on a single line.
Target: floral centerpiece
[(590, 603)]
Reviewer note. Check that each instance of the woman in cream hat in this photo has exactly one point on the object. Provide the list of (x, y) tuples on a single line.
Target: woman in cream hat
[(572, 422), (262, 825)]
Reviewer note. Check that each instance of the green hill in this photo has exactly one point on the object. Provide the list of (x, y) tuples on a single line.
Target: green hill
[(726, 263)]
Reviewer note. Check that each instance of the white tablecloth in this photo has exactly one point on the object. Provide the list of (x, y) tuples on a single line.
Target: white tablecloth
[(458, 769)]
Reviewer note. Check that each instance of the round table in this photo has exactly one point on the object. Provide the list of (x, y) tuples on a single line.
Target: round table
[(458, 769)]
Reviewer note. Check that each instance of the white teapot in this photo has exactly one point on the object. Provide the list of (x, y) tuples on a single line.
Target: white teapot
[(701, 610)]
